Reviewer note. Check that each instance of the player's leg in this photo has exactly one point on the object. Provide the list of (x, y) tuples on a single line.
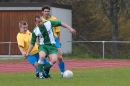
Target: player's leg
[(52, 50), (45, 60), (49, 65), (32, 59), (61, 63), (42, 54), (36, 64)]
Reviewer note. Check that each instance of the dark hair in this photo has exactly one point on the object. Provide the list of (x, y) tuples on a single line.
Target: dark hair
[(45, 7), (37, 16)]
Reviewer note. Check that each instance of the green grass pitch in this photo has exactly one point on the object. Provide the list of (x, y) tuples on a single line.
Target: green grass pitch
[(82, 77)]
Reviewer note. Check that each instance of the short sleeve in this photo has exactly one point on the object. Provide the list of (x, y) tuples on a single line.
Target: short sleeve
[(55, 23), (20, 40), (33, 39)]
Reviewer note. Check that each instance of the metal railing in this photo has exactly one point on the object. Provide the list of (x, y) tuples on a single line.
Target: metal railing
[(103, 44), (9, 45)]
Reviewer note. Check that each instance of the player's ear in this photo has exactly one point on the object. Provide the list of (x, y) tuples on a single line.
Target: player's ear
[(42, 12), (35, 22)]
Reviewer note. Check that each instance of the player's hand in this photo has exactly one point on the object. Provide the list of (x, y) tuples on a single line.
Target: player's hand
[(24, 55), (60, 44), (37, 42), (73, 31)]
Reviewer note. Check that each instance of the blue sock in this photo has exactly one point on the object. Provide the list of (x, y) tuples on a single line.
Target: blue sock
[(44, 74), (37, 70), (45, 61), (61, 66)]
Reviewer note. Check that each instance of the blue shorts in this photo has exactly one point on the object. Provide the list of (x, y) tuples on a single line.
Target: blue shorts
[(33, 58), (57, 43)]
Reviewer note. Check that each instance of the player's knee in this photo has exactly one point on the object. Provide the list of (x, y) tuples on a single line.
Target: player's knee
[(54, 60), (35, 65), (60, 59), (59, 56)]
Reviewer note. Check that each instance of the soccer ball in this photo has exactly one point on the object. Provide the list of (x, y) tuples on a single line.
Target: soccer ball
[(67, 74)]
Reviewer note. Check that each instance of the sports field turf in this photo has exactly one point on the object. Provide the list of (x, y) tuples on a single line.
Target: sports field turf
[(82, 77)]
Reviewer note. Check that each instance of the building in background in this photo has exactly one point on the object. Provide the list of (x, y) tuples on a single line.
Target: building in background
[(12, 13)]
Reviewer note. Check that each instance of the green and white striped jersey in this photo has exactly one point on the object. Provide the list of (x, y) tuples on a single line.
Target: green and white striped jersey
[(45, 33)]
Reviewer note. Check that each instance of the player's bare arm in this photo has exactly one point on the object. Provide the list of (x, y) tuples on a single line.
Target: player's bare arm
[(68, 27), (22, 52), (29, 49)]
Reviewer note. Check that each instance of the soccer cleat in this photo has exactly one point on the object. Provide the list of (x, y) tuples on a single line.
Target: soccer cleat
[(37, 75), (49, 76), (62, 74), (46, 75), (41, 76)]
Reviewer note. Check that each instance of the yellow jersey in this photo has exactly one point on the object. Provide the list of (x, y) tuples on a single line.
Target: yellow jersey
[(24, 41), (55, 29)]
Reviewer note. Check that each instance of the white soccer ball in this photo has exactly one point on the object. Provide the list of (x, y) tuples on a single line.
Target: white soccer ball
[(67, 74)]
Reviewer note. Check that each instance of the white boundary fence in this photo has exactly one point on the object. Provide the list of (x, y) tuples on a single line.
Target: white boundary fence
[(103, 44), (9, 46)]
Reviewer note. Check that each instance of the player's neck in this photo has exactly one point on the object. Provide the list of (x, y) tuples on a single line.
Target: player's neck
[(23, 32), (47, 17)]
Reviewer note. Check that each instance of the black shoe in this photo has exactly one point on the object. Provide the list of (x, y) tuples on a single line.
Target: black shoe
[(49, 76), (44, 75), (37, 75)]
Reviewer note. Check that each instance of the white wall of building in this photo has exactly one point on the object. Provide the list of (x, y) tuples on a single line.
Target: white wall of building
[(64, 15)]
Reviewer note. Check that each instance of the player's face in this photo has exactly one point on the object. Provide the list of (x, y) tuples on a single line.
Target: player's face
[(23, 28), (46, 12), (39, 22)]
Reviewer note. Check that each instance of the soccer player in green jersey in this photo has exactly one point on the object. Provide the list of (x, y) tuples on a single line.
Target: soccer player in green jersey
[(44, 31), (45, 17)]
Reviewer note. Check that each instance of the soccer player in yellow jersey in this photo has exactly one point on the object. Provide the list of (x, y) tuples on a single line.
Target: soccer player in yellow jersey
[(46, 16), (23, 40)]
